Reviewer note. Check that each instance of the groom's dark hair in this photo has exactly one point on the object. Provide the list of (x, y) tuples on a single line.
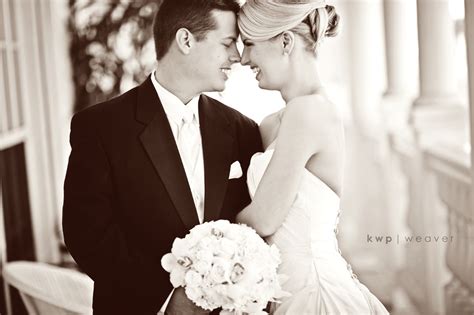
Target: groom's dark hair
[(194, 15)]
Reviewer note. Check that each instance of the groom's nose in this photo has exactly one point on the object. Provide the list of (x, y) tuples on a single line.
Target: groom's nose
[(234, 55)]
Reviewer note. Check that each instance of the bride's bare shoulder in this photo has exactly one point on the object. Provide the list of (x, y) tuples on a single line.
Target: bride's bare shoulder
[(316, 108)]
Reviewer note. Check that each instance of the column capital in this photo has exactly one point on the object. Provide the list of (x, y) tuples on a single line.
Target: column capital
[(433, 123), (437, 101)]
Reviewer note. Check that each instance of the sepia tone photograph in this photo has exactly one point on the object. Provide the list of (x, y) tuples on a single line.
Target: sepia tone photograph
[(236, 157)]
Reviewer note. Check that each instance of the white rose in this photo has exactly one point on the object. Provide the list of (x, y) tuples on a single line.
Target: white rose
[(220, 270), (202, 266), (192, 278), (226, 248), (199, 229), (169, 262), (196, 234), (177, 276), (212, 297), (204, 254), (206, 243), (180, 247), (237, 272), (237, 293), (193, 293), (185, 261), (221, 225), (234, 233)]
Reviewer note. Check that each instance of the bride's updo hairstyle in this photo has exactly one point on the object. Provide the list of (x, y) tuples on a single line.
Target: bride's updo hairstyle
[(320, 23), (313, 20)]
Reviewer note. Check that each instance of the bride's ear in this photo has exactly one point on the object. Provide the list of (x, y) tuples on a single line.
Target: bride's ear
[(287, 41)]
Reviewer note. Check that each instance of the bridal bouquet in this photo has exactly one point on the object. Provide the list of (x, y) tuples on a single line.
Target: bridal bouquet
[(225, 265)]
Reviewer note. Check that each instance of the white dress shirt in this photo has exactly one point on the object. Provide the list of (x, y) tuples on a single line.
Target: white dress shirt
[(175, 110)]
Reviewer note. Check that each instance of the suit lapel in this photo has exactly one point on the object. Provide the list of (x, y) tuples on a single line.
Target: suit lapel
[(217, 142), (158, 141)]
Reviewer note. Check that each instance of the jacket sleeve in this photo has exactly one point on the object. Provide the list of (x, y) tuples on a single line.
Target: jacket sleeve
[(90, 227), (250, 141)]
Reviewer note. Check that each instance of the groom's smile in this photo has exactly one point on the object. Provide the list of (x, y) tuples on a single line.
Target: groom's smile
[(215, 54), (226, 72)]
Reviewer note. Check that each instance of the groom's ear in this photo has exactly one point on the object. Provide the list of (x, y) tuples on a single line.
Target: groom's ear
[(185, 40), (288, 42)]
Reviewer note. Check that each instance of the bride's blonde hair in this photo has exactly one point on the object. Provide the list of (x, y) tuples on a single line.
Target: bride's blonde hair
[(320, 23), (311, 19)]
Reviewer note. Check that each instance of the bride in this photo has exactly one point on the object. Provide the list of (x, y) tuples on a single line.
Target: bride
[(296, 183)]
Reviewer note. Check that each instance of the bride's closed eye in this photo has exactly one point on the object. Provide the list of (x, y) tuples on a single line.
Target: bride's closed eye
[(247, 43)]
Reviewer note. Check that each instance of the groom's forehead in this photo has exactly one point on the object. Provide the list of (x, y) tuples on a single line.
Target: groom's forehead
[(226, 22)]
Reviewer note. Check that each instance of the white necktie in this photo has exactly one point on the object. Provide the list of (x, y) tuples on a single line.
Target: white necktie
[(189, 143)]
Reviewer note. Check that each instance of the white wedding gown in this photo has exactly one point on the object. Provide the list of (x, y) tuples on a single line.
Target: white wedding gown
[(320, 280)]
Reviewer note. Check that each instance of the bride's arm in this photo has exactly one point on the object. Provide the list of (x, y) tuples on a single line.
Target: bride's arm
[(269, 128), (301, 135)]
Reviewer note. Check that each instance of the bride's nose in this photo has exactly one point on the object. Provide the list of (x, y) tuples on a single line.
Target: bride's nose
[(244, 60)]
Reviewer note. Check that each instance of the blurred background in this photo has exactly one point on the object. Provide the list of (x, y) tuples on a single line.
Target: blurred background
[(399, 72)]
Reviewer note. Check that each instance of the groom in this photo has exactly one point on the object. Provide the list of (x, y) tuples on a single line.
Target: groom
[(149, 165)]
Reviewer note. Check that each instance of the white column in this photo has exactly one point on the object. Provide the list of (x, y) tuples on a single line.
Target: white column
[(402, 86), (364, 23), (436, 52), (437, 113), (469, 27), (400, 46), (401, 61)]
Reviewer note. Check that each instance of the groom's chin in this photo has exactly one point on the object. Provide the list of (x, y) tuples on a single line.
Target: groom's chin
[(220, 87)]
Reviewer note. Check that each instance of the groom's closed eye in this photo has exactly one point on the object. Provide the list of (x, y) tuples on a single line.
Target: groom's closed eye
[(228, 41)]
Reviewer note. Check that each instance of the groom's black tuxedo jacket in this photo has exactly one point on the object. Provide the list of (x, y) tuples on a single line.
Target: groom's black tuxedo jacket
[(126, 196)]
